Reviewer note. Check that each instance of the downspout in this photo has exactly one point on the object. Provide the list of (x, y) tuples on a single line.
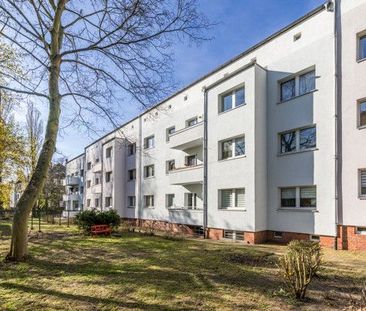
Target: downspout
[(205, 162), (338, 115)]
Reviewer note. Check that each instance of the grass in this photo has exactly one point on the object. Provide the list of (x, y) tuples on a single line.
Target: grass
[(68, 271)]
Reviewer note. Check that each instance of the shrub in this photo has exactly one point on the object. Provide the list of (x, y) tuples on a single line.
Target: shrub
[(299, 265), (86, 219)]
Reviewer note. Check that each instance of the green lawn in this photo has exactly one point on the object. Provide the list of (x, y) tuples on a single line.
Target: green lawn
[(134, 271)]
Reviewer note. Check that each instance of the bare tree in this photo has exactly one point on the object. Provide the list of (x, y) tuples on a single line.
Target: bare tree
[(34, 126), (84, 59)]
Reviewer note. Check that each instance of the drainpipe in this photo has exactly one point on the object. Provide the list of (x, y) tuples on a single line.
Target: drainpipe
[(338, 113), (205, 162)]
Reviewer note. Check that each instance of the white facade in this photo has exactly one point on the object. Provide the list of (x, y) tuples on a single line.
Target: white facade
[(262, 189)]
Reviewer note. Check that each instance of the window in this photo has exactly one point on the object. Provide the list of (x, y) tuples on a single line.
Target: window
[(108, 201), (232, 148), (307, 82), (361, 230), (131, 149), (191, 160), (362, 47), (88, 202), (149, 142), (97, 160), (108, 176), (298, 85), (149, 171), (170, 165), (149, 201), (81, 173), (97, 180), (108, 152), (232, 198), (96, 201), (75, 205), (232, 99), (362, 113), (298, 197), (308, 196), (190, 200), (191, 122), (88, 183), (169, 200), (298, 140), (131, 174), (131, 201), (363, 183), (169, 131), (288, 197), (88, 166)]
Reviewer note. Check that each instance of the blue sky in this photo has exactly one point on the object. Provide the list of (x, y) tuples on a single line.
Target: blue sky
[(241, 24)]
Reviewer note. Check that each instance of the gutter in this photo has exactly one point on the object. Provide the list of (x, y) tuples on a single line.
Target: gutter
[(338, 115), (205, 162)]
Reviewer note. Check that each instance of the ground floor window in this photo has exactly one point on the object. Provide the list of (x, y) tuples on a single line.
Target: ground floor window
[(149, 201), (190, 200), (302, 197), (108, 201), (232, 198), (169, 198), (363, 183), (131, 201)]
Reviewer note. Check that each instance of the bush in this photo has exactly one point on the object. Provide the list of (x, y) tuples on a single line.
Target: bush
[(86, 219), (299, 265)]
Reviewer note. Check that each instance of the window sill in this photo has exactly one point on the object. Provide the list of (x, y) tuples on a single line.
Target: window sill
[(132, 207), (360, 60), (149, 148), (362, 197), (147, 178), (131, 180), (232, 158), (298, 209), (149, 207), (296, 152), (293, 98), (361, 127), (237, 107), (232, 209)]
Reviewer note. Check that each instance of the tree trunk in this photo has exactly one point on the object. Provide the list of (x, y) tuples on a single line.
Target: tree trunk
[(19, 240)]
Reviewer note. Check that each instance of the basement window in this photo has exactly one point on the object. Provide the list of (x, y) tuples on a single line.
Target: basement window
[(277, 235), (234, 235), (361, 230), (315, 238)]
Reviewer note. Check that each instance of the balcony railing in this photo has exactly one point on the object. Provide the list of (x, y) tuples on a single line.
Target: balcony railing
[(187, 175), (97, 167), (97, 188), (72, 180), (188, 137), (72, 197)]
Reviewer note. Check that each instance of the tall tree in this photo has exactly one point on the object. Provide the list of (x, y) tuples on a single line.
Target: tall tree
[(11, 140), (85, 57)]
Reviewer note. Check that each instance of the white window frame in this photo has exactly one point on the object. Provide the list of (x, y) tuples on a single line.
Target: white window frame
[(108, 152), (298, 198), (231, 93), (167, 166), (108, 176), (96, 202), (146, 170), (192, 156), (360, 36), (297, 140), (233, 146), (168, 134), (88, 202), (133, 170), (192, 201), (147, 139), (167, 196), (296, 77), (131, 149), (190, 120), (88, 183), (359, 103), (233, 201), (149, 198), (133, 197), (110, 201), (360, 195)]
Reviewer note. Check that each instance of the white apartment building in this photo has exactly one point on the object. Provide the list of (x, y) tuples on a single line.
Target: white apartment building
[(269, 146)]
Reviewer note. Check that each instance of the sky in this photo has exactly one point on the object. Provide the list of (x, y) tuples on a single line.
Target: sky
[(240, 24)]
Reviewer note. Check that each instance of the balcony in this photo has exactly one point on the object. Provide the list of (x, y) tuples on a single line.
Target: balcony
[(97, 167), (71, 181), (97, 189), (187, 138), (188, 175), (72, 197)]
